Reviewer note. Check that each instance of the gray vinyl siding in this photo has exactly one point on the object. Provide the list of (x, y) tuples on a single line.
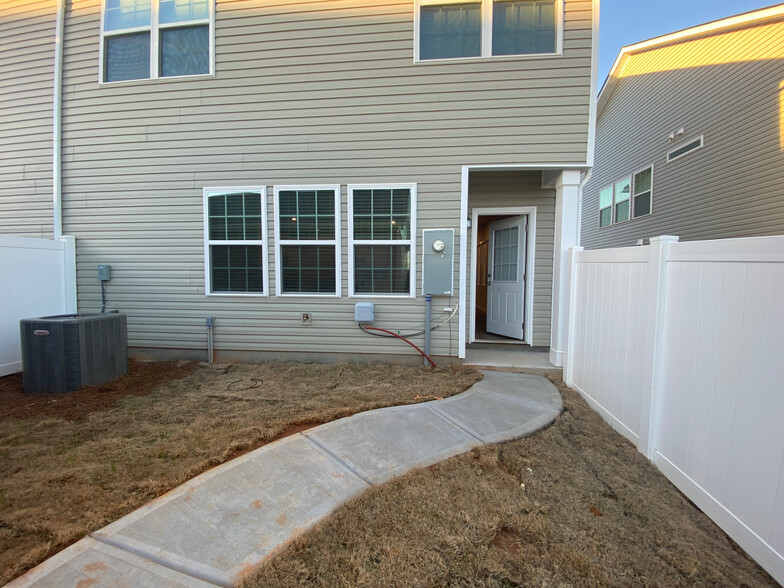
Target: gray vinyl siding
[(320, 92), (732, 187), (523, 188), (27, 31)]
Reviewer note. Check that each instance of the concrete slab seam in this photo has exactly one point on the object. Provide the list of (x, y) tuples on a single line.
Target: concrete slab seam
[(455, 423), (330, 452), (217, 579)]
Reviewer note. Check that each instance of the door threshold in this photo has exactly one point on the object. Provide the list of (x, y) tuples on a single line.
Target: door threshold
[(500, 341)]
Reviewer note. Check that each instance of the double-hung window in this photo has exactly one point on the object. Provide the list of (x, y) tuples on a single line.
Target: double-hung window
[(382, 236), (144, 39), (449, 29), (643, 189), (307, 230), (235, 227)]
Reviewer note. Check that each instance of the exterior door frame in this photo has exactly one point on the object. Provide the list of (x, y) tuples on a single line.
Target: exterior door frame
[(530, 211)]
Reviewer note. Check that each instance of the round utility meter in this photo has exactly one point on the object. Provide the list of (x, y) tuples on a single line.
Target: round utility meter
[(438, 245)]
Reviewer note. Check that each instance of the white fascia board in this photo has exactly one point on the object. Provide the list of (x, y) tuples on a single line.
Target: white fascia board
[(716, 26)]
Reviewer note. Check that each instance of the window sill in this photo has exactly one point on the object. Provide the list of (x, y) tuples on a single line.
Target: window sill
[(524, 56), (235, 295), (385, 296), (158, 80), (306, 295)]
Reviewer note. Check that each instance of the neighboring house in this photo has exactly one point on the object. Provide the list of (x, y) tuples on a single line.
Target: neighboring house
[(257, 161), (690, 136)]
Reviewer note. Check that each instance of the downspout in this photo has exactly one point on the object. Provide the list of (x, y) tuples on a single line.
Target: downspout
[(57, 122)]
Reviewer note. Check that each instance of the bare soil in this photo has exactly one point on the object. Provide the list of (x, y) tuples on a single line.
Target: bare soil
[(573, 505), (72, 463)]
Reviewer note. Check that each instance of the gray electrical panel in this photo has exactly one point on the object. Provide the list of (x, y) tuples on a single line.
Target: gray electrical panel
[(438, 259)]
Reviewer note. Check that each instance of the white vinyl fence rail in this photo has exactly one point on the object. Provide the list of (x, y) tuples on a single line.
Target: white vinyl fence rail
[(680, 347), (38, 279)]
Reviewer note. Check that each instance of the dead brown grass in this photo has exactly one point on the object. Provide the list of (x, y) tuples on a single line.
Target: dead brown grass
[(66, 470), (573, 505)]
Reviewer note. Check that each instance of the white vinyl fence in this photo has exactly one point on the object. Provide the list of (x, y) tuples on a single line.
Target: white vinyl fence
[(680, 347), (38, 279)]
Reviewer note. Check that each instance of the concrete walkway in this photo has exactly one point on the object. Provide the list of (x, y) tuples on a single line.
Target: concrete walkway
[(217, 527)]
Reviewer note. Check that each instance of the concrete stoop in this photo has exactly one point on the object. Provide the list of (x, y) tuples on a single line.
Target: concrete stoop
[(215, 528)]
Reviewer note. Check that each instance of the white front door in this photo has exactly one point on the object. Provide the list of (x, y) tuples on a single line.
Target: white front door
[(506, 277)]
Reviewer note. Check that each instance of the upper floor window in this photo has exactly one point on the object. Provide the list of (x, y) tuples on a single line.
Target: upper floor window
[(482, 28), (685, 149), (144, 39)]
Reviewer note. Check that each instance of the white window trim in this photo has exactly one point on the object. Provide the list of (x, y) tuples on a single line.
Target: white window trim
[(263, 242), (154, 29), (631, 211), (411, 242), (701, 139), (334, 242), (487, 32)]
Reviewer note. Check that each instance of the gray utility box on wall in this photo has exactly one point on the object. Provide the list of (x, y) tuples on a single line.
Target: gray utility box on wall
[(65, 352), (438, 260)]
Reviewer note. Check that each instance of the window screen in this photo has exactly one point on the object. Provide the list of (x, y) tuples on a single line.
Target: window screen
[(450, 30), (523, 27)]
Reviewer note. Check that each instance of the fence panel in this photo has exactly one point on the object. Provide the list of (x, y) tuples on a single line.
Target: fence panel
[(610, 362), (39, 279), (721, 439), (697, 329)]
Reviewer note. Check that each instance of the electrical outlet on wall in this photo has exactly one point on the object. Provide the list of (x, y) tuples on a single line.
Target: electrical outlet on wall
[(305, 318)]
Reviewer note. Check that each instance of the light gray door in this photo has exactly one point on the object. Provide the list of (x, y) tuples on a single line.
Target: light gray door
[(506, 277)]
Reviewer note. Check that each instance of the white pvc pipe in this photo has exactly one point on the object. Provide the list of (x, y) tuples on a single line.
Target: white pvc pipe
[(57, 205)]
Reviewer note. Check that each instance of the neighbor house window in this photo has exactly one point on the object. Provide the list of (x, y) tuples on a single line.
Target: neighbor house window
[(235, 224), (382, 230), (622, 193), (685, 149), (449, 29), (627, 198), (605, 207), (144, 39), (643, 190), (307, 226)]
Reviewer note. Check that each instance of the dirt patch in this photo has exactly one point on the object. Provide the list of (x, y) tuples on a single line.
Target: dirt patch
[(70, 464), (573, 505), (142, 378)]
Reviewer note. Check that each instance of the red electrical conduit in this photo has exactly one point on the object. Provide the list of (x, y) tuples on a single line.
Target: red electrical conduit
[(425, 355)]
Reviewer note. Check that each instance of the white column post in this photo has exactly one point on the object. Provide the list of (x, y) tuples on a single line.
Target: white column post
[(649, 427), (568, 372), (567, 235)]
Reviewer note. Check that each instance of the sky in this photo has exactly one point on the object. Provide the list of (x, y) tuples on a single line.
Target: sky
[(626, 22)]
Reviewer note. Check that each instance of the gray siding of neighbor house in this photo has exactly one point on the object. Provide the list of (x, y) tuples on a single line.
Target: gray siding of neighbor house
[(27, 30), (523, 188), (734, 185), (319, 92)]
